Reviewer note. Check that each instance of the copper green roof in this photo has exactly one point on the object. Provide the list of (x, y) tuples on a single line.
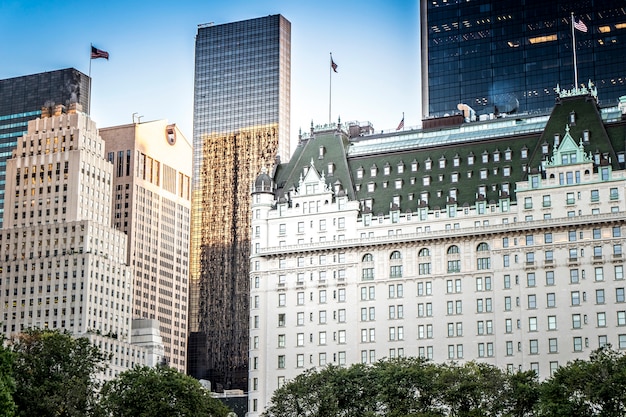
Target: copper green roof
[(406, 166)]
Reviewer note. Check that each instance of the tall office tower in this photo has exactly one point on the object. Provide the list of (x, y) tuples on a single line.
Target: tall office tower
[(505, 56), (498, 241), (62, 264), (152, 203), (241, 122), (21, 100)]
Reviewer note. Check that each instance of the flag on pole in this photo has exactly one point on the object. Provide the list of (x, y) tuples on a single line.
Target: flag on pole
[(401, 124), (98, 53), (332, 64), (580, 25)]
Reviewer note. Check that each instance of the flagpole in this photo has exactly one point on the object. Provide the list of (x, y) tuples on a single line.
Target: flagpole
[(330, 87), (89, 101), (574, 49)]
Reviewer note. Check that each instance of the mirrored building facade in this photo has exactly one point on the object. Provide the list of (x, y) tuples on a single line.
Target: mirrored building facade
[(241, 123), (508, 56)]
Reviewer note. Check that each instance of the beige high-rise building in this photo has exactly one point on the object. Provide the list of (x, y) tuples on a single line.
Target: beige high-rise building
[(62, 264), (151, 204)]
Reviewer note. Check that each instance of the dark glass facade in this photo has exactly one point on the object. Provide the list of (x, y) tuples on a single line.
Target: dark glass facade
[(241, 122), (498, 56), (21, 100)]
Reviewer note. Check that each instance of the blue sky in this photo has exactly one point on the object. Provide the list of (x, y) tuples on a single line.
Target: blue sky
[(150, 71)]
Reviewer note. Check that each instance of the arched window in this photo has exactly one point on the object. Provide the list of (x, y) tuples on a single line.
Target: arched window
[(395, 255), (482, 247), (453, 249), (423, 252), (367, 258), (483, 260)]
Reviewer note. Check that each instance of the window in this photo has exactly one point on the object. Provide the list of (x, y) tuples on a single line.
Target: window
[(619, 295), (576, 323), (619, 272), (534, 346), (532, 301), (549, 277), (281, 361), (601, 319), (575, 298), (532, 324), (530, 279), (553, 346), (573, 276), (551, 297), (578, 344), (621, 318), (551, 322)]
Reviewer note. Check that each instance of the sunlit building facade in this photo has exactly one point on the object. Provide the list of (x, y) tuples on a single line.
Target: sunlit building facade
[(241, 123), (498, 241), (62, 264), (508, 55), (152, 206), (21, 100)]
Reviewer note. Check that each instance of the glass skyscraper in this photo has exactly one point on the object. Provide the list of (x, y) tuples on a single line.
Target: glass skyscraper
[(21, 100), (498, 56), (241, 123)]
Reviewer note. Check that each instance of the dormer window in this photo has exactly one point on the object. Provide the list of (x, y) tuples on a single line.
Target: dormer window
[(371, 186), (585, 136), (429, 164), (524, 153), (387, 169), (483, 174), (496, 156), (454, 177), (398, 184), (572, 117), (442, 163), (485, 157), (400, 168), (507, 154), (470, 159), (373, 171), (426, 180), (414, 166), (456, 161), (331, 168), (544, 148), (359, 172), (557, 139)]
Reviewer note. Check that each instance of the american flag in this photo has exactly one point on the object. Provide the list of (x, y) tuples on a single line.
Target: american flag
[(580, 25), (401, 125), (98, 53), (333, 65)]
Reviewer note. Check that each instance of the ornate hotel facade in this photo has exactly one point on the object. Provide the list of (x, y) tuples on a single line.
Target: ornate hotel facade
[(498, 241)]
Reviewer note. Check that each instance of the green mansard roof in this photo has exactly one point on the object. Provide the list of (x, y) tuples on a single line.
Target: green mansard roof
[(415, 165)]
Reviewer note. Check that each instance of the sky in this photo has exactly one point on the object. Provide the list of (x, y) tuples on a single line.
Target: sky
[(375, 44)]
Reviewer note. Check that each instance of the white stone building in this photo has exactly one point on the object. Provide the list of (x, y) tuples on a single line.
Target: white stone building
[(62, 265), (498, 242)]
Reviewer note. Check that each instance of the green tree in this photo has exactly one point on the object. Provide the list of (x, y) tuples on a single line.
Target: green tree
[(7, 382), (521, 393), (596, 387), (407, 387), (54, 374), (156, 392), (332, 391), (474, 389)]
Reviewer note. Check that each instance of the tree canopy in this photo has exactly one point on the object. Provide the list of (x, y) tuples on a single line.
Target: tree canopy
[(419, 388), (155, 392), (54, 374)]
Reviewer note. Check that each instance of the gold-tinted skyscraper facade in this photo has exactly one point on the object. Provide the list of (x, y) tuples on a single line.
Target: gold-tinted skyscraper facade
[(241, 122)]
